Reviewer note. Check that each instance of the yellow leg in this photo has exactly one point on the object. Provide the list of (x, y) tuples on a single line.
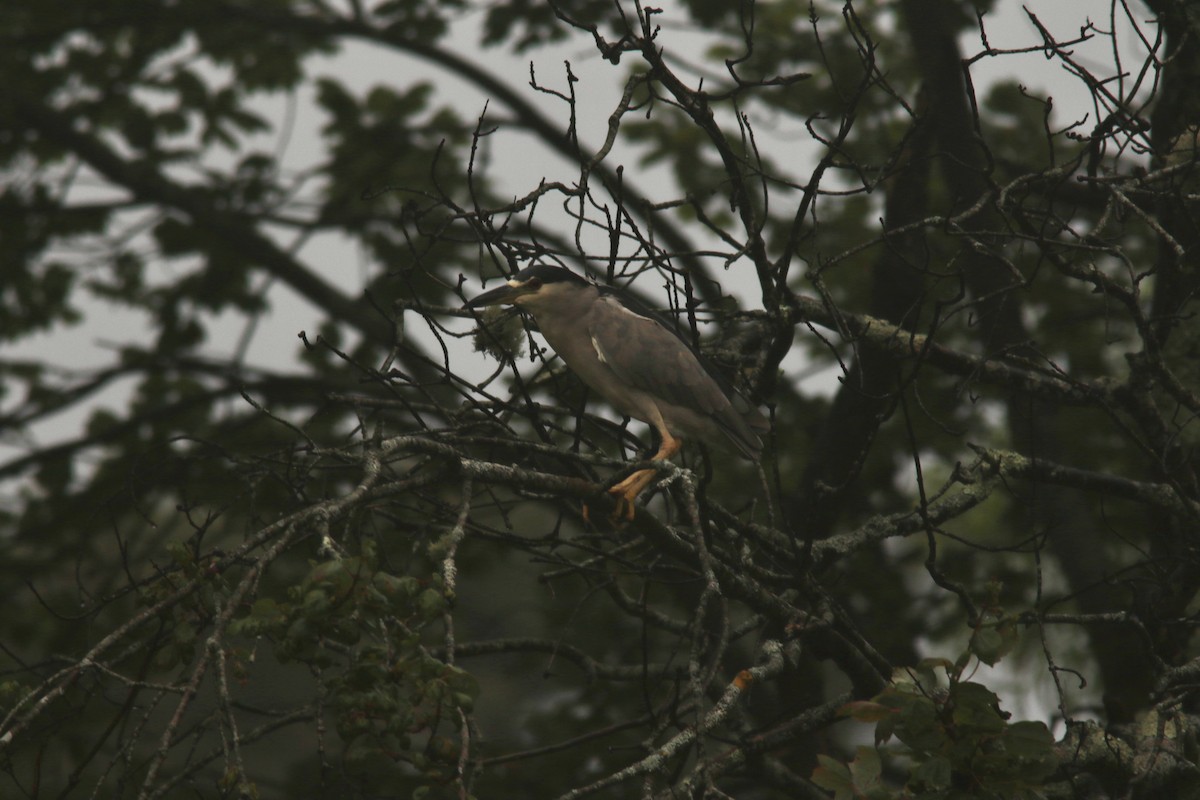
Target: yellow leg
[(626, 492)]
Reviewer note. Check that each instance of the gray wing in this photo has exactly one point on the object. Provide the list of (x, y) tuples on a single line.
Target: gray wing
[(646, 354)]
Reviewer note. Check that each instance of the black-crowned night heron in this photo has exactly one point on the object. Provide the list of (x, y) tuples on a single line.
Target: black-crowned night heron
[(636, 361)]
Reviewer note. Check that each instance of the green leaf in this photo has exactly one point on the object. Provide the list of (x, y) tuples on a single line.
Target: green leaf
[(976, 707), (991, 642), (1029, 738), (1033, 745), (865, 770), (316, 602), (915, 723), (833, 775), (934, 773), (431, 604)]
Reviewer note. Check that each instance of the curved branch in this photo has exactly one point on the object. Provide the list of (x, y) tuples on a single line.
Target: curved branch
[(146, 182), (487, 82), (1025, 379)]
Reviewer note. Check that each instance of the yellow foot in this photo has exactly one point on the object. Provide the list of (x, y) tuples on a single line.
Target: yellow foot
[(622, 511), (626, 492), (623, 508)]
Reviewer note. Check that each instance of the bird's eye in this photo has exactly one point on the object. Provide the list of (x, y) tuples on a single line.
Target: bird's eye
[(534, 283)]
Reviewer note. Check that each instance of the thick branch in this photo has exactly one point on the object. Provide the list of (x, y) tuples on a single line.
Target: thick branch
[(1026, 379)]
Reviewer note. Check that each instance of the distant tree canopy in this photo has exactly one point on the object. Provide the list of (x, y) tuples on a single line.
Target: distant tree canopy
[(376, 560)]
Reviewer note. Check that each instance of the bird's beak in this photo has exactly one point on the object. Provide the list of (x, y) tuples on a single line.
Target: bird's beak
[(508, 293)]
